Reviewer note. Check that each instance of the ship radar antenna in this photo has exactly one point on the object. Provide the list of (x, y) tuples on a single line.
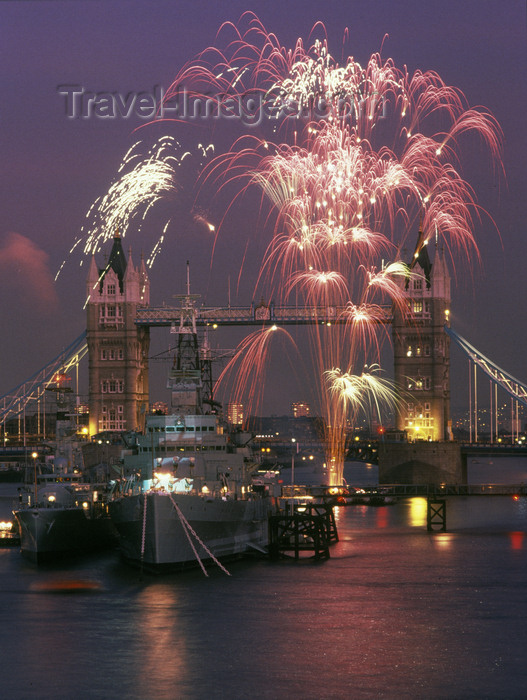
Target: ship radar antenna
[(187, 309)]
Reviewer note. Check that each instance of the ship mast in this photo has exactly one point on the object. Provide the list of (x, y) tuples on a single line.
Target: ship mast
[(190, 379)]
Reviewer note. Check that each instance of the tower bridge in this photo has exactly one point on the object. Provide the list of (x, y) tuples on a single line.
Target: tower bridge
[(119, 319)]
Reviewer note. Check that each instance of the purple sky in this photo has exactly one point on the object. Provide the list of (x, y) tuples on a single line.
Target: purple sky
[(53, 168)]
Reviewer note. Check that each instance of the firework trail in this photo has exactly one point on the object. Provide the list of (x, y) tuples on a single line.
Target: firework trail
[(146, 176), (245, 372)]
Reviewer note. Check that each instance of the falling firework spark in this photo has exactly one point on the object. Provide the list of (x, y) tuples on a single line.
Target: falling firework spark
[(245, 372), (144, 178)]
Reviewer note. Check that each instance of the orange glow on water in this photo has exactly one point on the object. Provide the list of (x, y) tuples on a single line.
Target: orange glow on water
[(382, 517), (516, 539), (417, 515), (443, 540)]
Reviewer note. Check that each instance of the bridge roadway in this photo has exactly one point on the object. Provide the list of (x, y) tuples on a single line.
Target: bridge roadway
[(261, 314), (495, 449), (367, 450)]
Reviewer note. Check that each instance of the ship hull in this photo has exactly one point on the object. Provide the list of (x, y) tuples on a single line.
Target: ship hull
[(52, 533), (164, 540)]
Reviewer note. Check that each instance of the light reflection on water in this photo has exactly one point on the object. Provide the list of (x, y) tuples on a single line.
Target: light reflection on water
[(417, 512), (517, 540), (165, 639)]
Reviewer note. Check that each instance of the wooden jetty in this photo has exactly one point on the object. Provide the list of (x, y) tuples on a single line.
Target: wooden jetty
[(302, 527)]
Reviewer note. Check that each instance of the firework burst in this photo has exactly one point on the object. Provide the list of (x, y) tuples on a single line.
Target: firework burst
[(245, 372), (145, 177)]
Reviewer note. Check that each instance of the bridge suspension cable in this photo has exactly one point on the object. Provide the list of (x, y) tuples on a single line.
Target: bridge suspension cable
[(15, 401), (516, 389)]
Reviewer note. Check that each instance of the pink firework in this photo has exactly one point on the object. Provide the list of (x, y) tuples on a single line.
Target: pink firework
[(366, 153)]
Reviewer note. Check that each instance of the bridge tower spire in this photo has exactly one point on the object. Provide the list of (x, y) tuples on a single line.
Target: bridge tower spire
[(422, 348), (118, 348)]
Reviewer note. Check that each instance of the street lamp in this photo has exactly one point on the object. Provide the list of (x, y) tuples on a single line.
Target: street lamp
[(35, 455), (293, 440)]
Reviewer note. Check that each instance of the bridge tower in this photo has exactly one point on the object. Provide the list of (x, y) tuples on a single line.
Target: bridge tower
[(117, 347), (422, 349)]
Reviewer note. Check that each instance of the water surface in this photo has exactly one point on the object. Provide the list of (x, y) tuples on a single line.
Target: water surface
[(397, 612)]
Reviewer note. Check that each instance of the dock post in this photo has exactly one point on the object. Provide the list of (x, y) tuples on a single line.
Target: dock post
[(436, 514)]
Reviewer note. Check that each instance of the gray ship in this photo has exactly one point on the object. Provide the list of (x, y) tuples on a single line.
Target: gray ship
[(187, 497), (61, 516)]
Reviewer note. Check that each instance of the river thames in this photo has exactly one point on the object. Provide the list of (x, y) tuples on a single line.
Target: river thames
[(396, 612)]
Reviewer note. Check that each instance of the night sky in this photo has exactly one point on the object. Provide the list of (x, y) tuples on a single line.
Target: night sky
[(53, 167)]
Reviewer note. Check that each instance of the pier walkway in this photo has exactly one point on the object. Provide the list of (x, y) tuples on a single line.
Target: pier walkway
[(431, 490), (405, 490)]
